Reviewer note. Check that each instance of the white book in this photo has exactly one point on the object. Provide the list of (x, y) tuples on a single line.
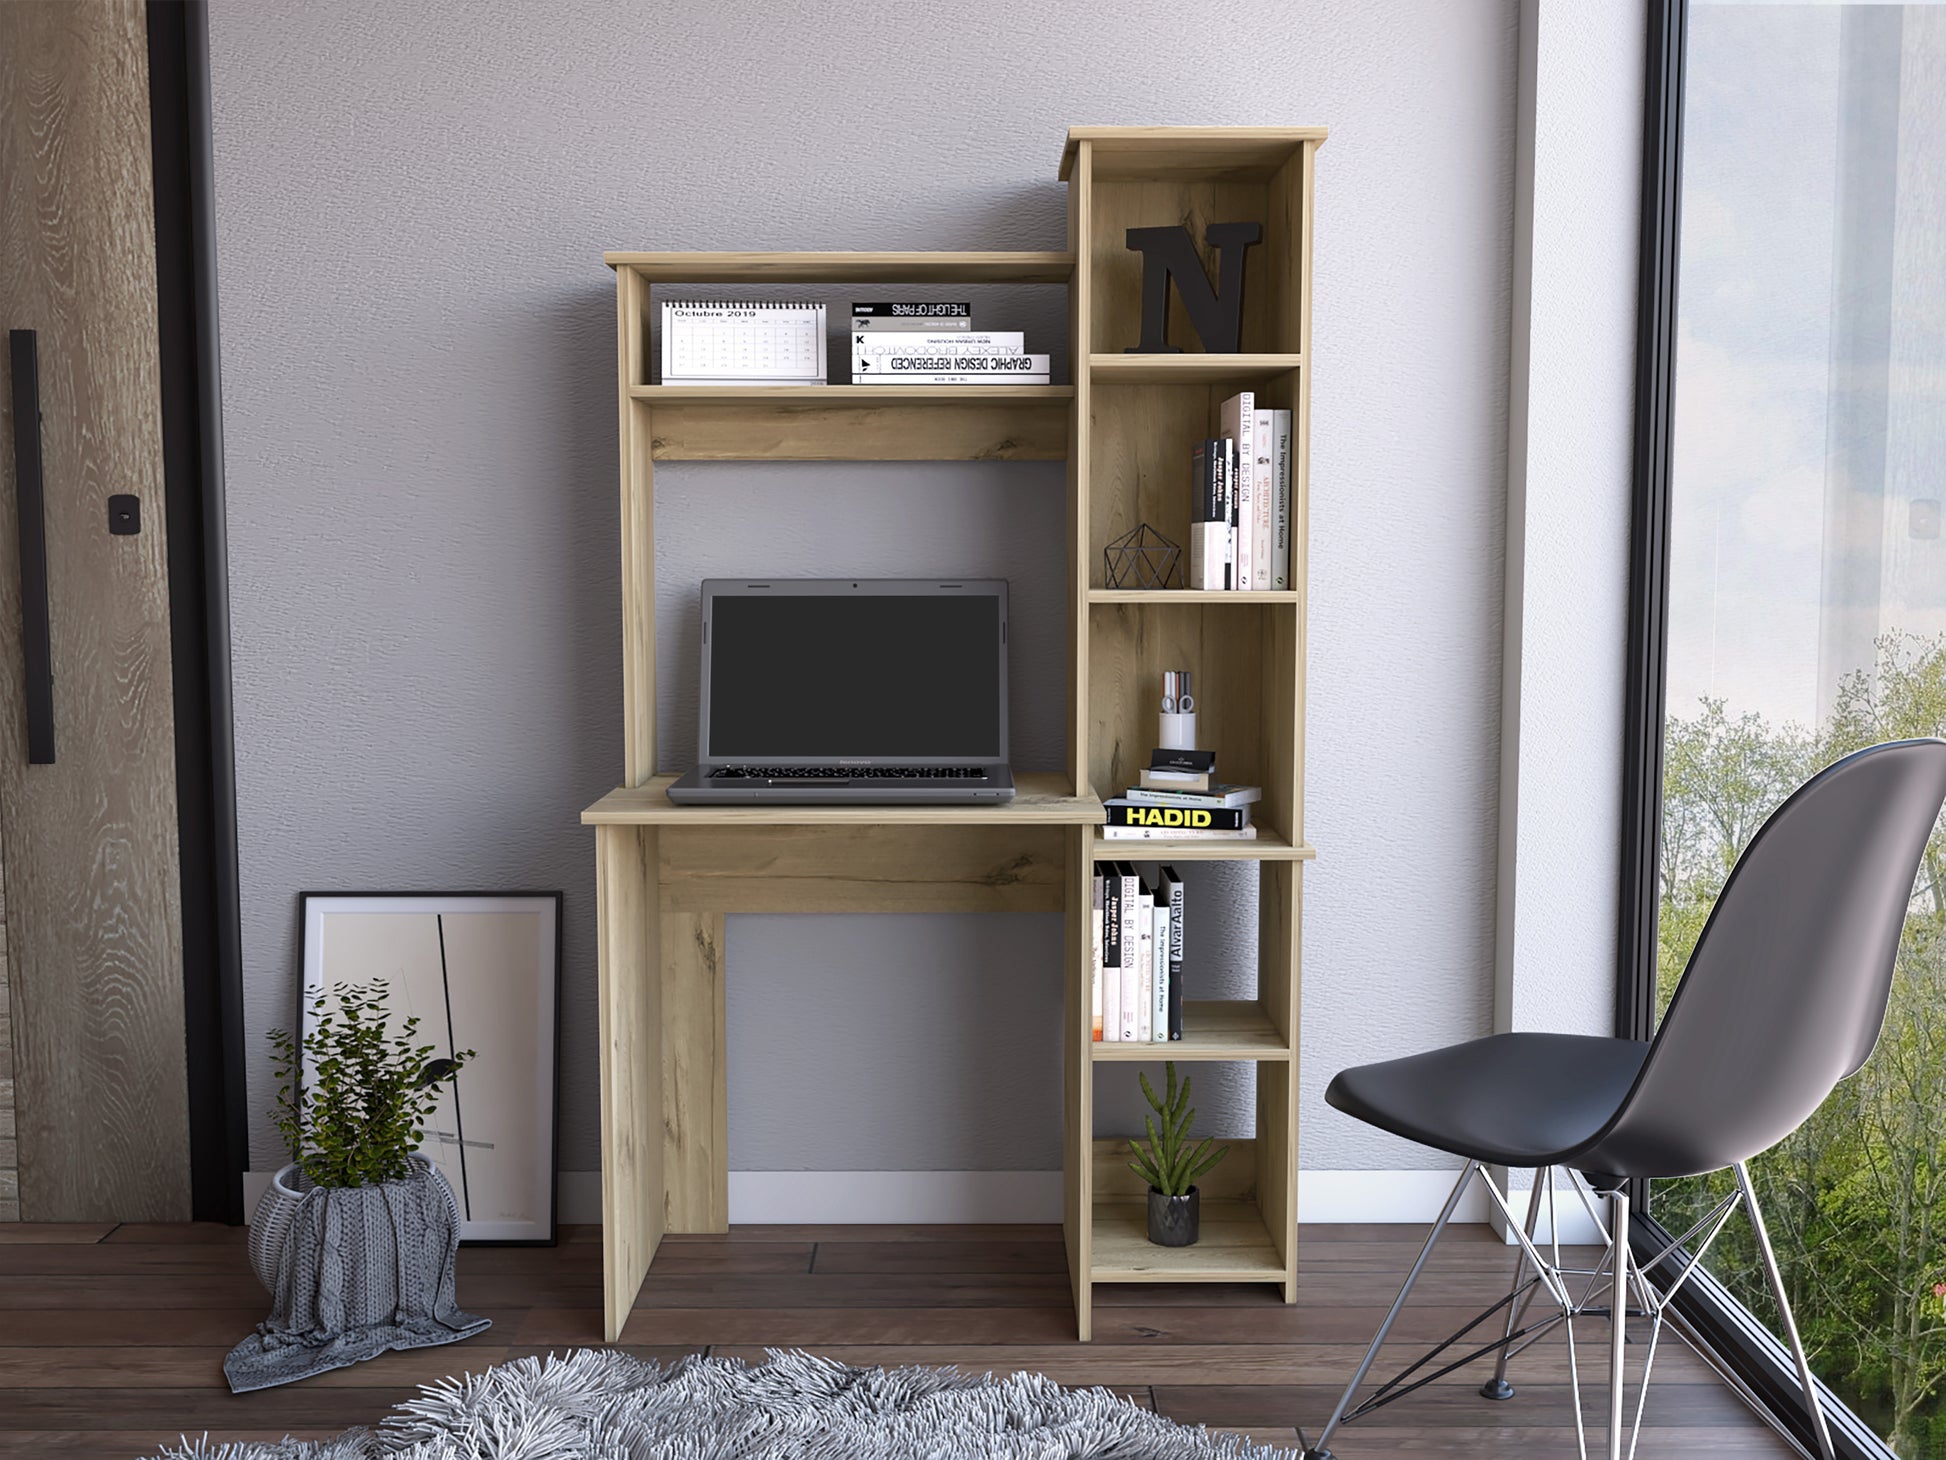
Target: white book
[(1131, 993), (871, 325), (1238, 415), (1263, 500), (1167, 833), (1145, 966), (1280, 437), (1095, 1029), (872, 343), (916, 364), (720, 343), (947, 377), (1159, 1003)]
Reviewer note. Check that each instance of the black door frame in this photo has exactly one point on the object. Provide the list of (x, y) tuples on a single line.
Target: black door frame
[(1752, 1355), (199, 611)]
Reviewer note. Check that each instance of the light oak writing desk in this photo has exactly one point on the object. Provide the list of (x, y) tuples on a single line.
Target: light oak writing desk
[(667, 875)]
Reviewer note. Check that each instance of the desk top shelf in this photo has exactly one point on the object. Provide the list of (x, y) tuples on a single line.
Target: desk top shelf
[(862, 267), (1044, 799)]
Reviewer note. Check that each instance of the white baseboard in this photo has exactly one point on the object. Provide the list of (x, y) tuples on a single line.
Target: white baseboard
[(878, 1197)]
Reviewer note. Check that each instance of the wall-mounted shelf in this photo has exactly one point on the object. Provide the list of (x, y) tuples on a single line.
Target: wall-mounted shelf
[(667, 876)]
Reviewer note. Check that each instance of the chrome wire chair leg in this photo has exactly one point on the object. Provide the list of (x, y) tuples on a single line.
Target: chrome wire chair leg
[(1318, 1451), (1497, 1387), (1811, 1401), (1618, 1326)]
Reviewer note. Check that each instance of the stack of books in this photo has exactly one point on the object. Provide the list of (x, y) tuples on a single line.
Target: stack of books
[(1138, 954), (1240, 501), (1181, 799), (706, 343), (936, 344)]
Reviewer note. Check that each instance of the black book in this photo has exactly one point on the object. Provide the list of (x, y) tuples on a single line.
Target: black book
[(1177, 818)]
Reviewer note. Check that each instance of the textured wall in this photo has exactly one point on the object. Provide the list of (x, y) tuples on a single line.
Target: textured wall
[(420, 439)]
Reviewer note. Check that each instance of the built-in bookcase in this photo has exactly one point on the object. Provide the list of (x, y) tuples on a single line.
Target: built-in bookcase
[(1137, 418), (668, 875)]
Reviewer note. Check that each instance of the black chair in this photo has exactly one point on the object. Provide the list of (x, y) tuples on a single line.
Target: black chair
[(1784, 997)]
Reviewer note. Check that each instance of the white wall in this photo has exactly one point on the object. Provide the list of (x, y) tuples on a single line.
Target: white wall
[(420, 442)]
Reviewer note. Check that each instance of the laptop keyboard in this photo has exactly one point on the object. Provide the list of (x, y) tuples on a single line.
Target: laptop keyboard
[(848, 773)]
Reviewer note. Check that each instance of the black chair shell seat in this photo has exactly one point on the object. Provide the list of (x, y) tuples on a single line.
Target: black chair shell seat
[(1508, 1100)]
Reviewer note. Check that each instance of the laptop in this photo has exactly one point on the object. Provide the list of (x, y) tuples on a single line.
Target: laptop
[(852, 691)]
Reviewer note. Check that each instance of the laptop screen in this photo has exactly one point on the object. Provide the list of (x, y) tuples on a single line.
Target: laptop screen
[(883, 674)]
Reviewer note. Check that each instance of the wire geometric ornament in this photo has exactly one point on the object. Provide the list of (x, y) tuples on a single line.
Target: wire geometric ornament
[(1143, 558)]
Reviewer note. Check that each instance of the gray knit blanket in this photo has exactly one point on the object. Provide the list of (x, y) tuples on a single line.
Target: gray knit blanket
[(364, 1269), (603, 1405)]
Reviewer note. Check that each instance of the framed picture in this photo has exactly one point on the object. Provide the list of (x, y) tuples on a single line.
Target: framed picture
[(482, 971)]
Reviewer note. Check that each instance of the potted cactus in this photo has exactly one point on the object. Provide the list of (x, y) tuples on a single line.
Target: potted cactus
[(1170, 1165)]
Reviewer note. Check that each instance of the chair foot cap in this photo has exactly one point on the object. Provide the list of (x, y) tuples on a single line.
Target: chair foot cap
[(1496, 1389), (1318, 1455)]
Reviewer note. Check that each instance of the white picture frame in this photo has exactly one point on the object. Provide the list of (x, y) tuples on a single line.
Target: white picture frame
[(482, 971)]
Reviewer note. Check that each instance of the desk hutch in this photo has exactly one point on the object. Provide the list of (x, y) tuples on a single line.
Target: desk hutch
[(667, 875)]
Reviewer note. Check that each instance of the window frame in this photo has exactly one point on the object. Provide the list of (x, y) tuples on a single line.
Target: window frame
[(1734, 1338)]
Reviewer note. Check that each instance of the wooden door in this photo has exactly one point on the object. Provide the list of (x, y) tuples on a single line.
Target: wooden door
[(93, 916)]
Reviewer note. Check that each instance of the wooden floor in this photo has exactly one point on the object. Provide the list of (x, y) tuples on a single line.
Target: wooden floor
[(112, 1338)]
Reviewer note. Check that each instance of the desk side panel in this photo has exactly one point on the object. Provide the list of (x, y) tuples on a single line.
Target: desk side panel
[(694, 1073), (630, 999)]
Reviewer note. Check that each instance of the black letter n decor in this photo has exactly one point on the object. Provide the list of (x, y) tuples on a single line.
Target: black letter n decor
[(1217, 313)]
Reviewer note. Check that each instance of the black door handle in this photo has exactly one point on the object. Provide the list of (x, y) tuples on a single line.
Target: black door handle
[(36, 647)]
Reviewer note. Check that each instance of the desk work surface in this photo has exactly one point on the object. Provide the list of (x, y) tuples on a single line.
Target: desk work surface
[(1044, 798)]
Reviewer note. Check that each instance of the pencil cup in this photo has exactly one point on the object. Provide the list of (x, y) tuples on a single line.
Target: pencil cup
[(1176, 731)]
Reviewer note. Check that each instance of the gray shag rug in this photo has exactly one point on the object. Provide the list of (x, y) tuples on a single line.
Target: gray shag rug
[(597, 1405)]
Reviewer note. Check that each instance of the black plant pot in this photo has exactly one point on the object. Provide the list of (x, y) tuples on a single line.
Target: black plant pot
[(1175, 1221)]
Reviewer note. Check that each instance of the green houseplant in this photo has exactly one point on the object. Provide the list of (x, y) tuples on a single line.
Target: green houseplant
[(1170, 1165), (361, 1113), (356, 1239)]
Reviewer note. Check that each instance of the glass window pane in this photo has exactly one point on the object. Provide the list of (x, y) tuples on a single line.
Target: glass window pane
[(1807, 608)]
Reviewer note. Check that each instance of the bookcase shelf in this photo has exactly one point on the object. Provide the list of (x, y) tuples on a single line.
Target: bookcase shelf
[(1236, 1247), (1210, 597), (861, 267), (1212, 1030), (667, 876), (1267, 846), (1187, 369)]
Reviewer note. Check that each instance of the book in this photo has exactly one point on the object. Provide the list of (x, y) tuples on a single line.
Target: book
[(1220, 793), (1159, 980), (1131, 990), (1171, 833), (1144, 963), (1238, 415), (867, 345), (713, 343), (871, 325), (950, 377), (1172, 891), (1280, 440), (1121, 812), (1111, 951), (1095, 929), (924, 364), (1198, 762), (1230, 510), (891, 314), (1153, 780), (1263, 510), (1208, 518)]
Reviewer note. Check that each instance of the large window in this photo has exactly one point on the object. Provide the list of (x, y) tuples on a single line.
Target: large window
[(1806, 610)]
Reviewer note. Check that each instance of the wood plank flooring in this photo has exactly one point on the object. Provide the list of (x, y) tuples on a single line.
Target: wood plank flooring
[(112, 1338)]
